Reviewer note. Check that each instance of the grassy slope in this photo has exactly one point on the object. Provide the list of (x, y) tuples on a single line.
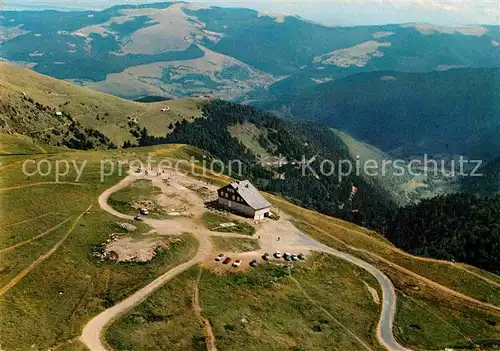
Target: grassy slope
[(54, 300), (249, 135), (166, 321), (20, 144), (34, 311), (85, 104), (426, 324), (266, 310), (224, 244), (262, 309)]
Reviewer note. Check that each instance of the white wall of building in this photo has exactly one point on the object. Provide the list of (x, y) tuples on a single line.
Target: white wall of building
[(243, 209), (261, 214)]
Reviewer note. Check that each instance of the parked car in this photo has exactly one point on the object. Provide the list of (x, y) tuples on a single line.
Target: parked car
[(220, 257), (226, 260), (277, 254), (301, 256), (144, 211), (253, 263), (237, 263), (138, 218), (287, 257), (266, 257)]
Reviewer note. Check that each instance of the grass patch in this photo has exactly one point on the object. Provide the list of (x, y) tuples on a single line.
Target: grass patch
[(165, 321), (215, 223), (263, 309), (235, 244), (16, 233), (140, 193), (425, 324)]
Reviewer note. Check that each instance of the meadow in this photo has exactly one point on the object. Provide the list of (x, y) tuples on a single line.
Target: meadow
[(306, 306), (51, 284)]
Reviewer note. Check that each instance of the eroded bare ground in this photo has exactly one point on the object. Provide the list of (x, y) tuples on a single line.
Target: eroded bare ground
[(184, 198), (205, 323), (126, 248)]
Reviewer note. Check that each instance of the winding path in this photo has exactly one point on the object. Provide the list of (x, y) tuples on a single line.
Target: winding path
[(385, 334), (485, 305), (92, 335)]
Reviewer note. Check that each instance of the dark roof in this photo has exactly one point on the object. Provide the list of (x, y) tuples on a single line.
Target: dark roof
[(250, 194)]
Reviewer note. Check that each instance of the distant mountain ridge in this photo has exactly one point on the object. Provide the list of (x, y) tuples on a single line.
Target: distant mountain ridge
[(177, 49), (450, 112)]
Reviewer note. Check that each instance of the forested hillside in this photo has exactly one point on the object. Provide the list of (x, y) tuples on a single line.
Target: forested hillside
[(459, 227), (49, 126), (488, 184), (295, 142), (452, 112)]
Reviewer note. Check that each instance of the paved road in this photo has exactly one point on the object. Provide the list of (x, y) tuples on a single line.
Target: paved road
[(298, 240), (93, 331), (385, 324)]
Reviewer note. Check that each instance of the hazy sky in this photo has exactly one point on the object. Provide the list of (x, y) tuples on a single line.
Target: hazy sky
[(339, 12)]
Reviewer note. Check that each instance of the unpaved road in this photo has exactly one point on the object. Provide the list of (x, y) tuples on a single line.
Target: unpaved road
[(207, 328), (92, 334), (289, 238)]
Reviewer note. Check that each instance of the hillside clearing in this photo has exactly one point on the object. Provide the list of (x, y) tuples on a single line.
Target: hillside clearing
[(228, 245)]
